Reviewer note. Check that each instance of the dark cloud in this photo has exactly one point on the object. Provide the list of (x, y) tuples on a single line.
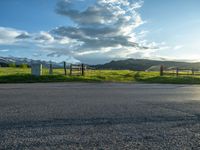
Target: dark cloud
[(94, 38), (54, 55), (93, 15), (23, 36)]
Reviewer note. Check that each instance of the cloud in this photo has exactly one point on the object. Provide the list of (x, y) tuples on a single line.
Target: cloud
[(107, 24), (177, 47), (4, 50), (11, 36), (101, 31), (24, 35), (44, 37), (8, 35)]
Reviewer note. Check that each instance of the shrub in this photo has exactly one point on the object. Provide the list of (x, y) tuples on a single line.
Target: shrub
[(23, 66), (12, 65)]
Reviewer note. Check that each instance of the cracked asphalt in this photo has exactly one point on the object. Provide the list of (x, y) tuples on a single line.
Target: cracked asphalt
[(99, 116)]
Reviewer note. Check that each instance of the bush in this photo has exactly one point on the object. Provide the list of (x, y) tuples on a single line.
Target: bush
[(23, 66), (12, 65)]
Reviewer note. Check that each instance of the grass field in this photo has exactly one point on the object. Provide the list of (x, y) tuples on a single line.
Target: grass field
[(154, 77), (20, 75)]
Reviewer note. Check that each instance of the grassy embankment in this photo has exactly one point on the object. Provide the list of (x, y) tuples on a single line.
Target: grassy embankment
[(154, 77), (20, 75)]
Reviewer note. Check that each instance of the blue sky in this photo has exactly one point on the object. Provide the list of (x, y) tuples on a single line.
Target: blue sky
[(98, 31)]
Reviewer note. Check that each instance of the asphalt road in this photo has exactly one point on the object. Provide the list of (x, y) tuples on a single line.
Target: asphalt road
[(99, 116)]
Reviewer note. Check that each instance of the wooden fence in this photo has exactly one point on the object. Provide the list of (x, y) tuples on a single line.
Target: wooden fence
[(72, 69), (77, 69), (176, 71)]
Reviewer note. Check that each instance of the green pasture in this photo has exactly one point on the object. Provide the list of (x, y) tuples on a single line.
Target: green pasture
[(23, 75), (154, 77)]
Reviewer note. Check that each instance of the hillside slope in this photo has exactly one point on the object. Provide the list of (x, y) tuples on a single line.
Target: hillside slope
[(144, 64)]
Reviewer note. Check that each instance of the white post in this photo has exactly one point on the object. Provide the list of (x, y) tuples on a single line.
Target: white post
[(36, 69)]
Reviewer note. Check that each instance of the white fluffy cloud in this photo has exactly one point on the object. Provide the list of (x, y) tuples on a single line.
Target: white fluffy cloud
[(8, 35), (103, 31), (44, 37), (106, 28), (177, 47), (4, 50)]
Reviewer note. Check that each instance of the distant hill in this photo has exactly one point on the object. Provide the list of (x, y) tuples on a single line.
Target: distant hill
[(144, 64)]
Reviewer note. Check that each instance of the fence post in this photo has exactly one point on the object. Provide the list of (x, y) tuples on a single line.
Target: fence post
[(193, 71), (50, 69), (161, 70), (65, 68), (177, 71), (70, 69), (82, 69)]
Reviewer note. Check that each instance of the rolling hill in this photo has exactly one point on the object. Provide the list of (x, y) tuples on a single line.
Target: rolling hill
[(144, 64)]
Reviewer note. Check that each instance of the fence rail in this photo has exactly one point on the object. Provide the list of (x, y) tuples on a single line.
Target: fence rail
[(65, 69), (77, 69), (179, 71)]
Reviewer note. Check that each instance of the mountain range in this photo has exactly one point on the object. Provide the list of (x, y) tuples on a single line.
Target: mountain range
[(4, 61), (128, 64), (145, 64)]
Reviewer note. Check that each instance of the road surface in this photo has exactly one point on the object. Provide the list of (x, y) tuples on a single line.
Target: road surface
[(99, 116)]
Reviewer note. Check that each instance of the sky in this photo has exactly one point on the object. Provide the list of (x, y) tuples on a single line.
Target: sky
[(98, 31)]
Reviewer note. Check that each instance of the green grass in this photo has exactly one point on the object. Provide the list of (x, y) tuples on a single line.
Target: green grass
[(112, 75), (14, 71), (23, 75), (154, 77)]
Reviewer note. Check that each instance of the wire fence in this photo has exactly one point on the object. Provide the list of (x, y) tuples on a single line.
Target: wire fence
[(178, 71)]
